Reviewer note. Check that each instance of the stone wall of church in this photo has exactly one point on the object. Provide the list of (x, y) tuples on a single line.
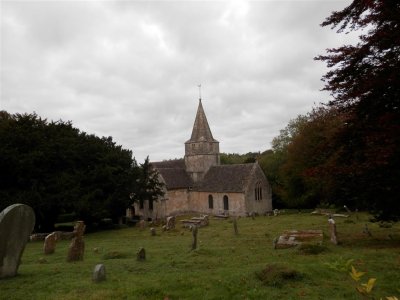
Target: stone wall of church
[(177, 202), (253, 204), (199, 202), (198, 165)]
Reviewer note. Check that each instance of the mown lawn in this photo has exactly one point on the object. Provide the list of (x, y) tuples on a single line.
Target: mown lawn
[(225, 265)]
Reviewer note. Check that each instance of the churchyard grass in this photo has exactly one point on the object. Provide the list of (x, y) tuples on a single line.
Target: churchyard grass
[(224, 265)]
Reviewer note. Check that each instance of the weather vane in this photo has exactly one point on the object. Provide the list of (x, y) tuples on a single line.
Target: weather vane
[(199, 86)]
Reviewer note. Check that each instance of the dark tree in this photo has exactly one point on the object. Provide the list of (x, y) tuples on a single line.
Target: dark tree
[(364, 80), (148, 188), (57, 169)]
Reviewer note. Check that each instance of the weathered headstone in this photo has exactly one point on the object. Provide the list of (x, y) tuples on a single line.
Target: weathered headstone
[(276, 212), (141, 254), (194, 234), (99, 273), (153, 231), (142, 224), (50, 243), (332, 230), (235, 227), (16, 224), (253, 215), (77, 246), (170, 223)]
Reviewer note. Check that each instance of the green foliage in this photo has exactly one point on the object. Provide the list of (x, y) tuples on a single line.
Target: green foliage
[(234, 158), (147, 185), (56, 169), (340, 264)]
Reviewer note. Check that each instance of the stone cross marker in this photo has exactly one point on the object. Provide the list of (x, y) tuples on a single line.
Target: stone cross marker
[(332, 230), (77, 246), (50, 243), (16, 225), (99, 273)]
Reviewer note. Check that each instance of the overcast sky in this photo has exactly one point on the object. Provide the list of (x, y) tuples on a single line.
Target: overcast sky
[(130, 69)]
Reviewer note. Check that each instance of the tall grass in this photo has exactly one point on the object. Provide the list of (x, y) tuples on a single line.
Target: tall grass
[(224, 266)]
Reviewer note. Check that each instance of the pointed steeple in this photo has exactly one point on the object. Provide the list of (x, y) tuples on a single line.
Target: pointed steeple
[(202, 150), (201, 130)]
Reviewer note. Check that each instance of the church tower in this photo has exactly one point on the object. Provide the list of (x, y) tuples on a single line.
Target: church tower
[(202, 150)]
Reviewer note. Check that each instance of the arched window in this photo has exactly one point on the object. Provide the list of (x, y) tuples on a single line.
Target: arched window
[(210, 202), (226, 203), (258, 191)]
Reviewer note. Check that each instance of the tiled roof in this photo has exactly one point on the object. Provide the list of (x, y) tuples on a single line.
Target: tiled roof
[(226, 178), (173, 163), (174, 174)]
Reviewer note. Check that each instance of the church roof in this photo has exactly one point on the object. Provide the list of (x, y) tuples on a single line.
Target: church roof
[(174, 174), (201, 130), (226, 178), (218, 179)]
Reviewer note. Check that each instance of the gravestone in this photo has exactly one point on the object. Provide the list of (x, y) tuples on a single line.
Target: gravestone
[(141, 254), (235, 228), (50, 243), (170, 223), (194, 234), (142, 224), (77, 246), (99, 273), (16, 224), (153, 231), (332, 230)]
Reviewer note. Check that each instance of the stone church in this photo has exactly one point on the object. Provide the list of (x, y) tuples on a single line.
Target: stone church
[(198, 183)]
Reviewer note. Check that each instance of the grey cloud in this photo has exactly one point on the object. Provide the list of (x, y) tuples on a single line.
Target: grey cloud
[(130, 69)]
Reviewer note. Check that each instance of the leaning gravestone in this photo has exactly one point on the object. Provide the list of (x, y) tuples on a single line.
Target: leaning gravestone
[(50, 243), (16, 224), (99, 273)]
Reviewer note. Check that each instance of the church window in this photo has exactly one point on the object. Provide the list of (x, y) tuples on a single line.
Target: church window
[(141, 204), (258, 191), (210, 202), (226, 203), (151, 204)]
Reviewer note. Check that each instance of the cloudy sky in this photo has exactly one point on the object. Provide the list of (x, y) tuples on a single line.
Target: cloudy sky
[(130, 69)]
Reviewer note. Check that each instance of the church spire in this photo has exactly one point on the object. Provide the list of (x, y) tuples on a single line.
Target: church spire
[(201, 130), (202, 150)]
